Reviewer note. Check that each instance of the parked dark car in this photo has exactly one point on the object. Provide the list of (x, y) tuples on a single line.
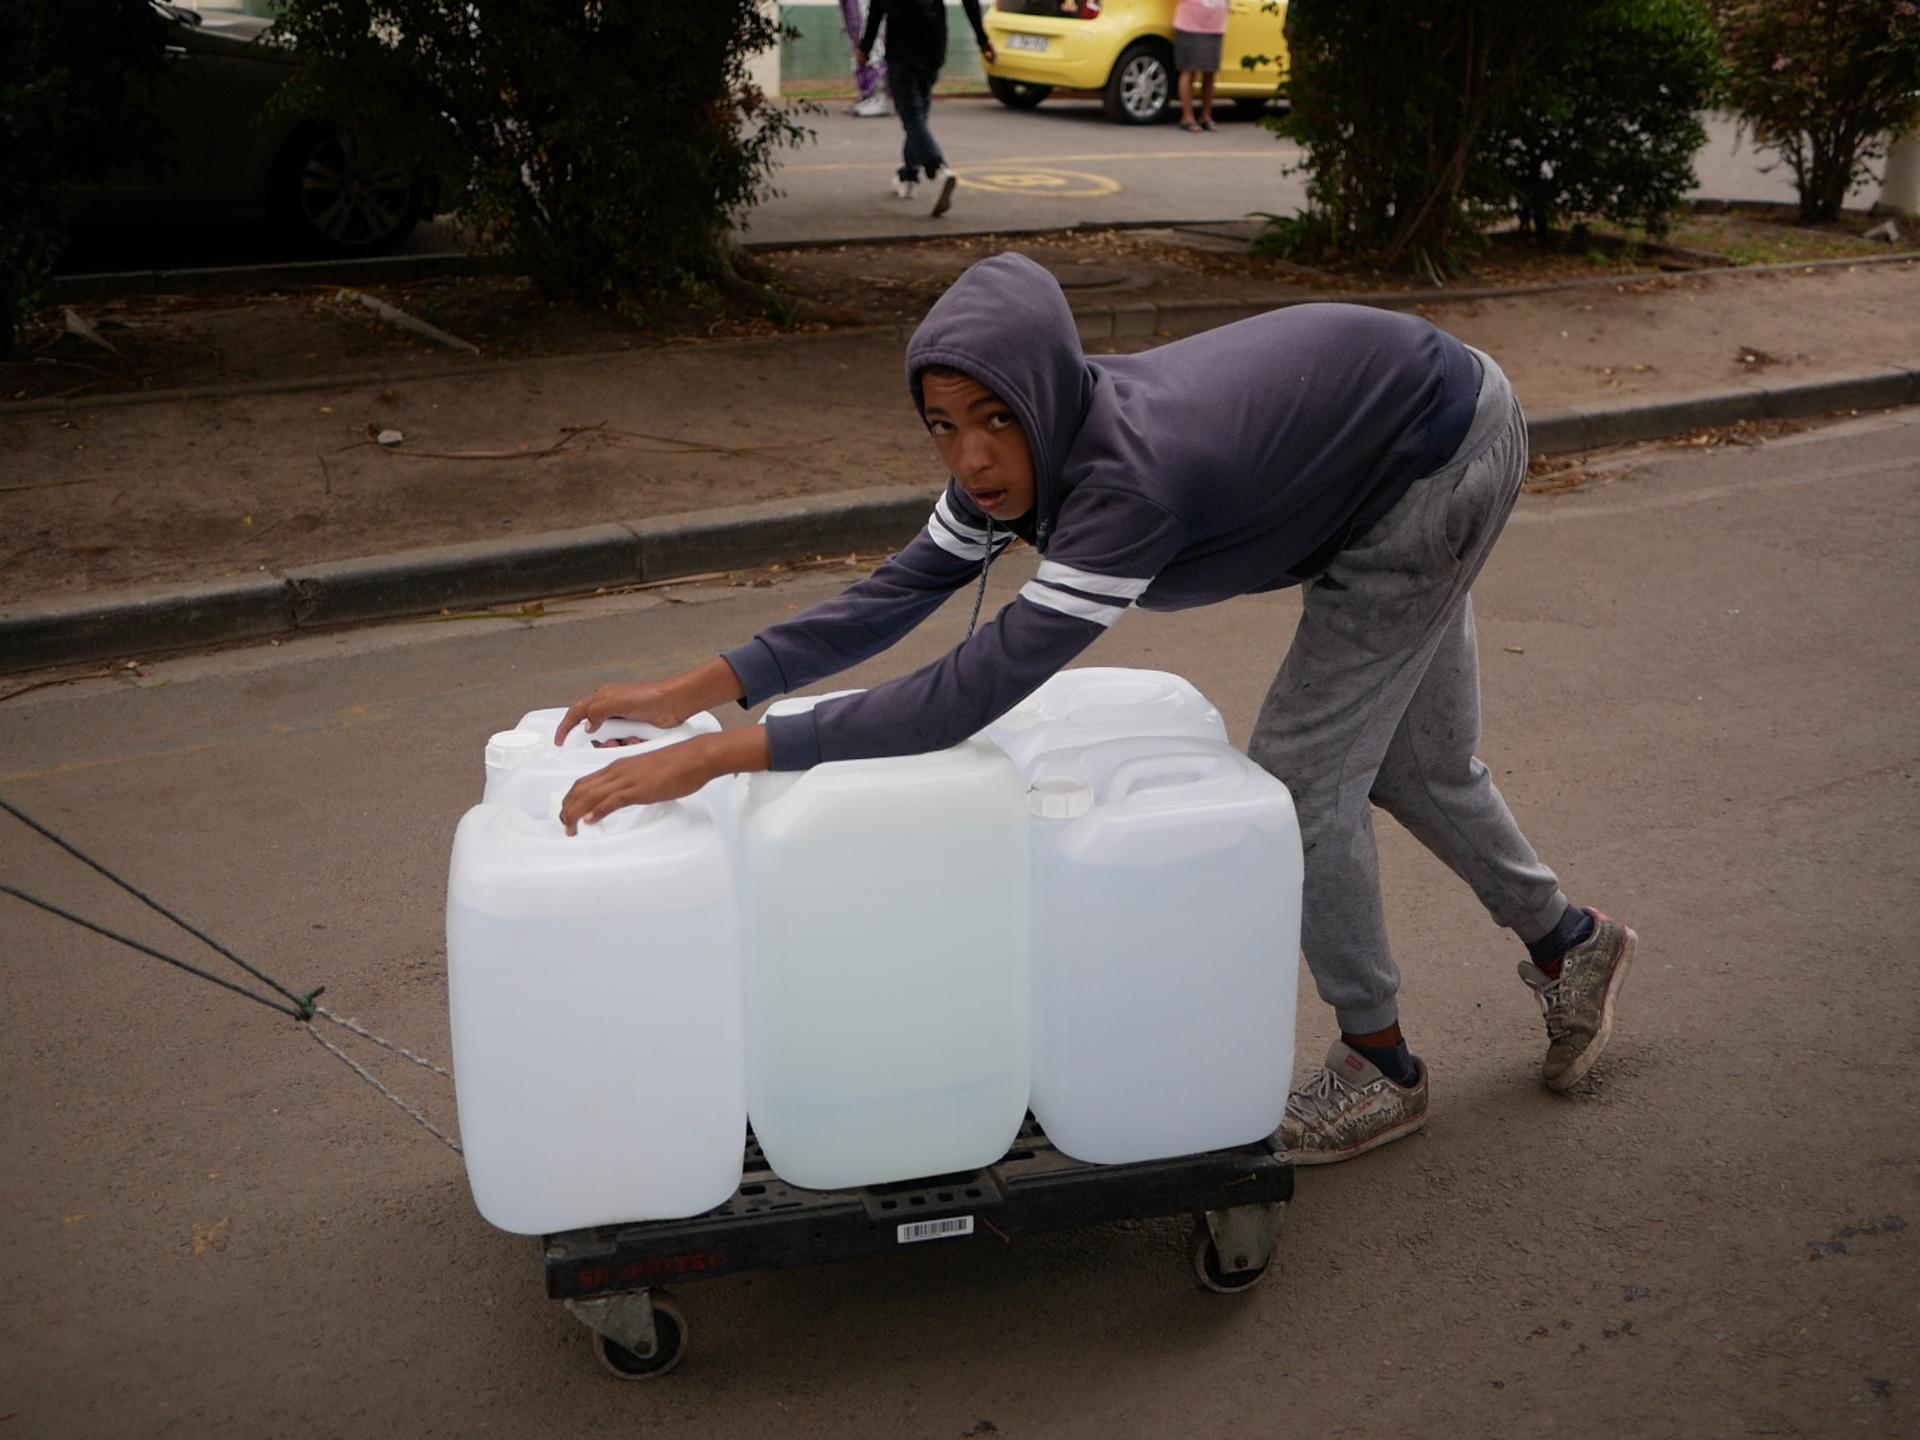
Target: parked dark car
[(227, 159)]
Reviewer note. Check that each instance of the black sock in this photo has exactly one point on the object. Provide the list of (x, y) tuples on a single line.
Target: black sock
[(1575, 926), (1396, 1062)]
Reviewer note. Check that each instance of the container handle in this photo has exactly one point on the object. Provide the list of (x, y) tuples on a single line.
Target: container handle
[(1181, 770), (614, 728)]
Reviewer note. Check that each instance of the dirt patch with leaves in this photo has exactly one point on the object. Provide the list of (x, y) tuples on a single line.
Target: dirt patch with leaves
[(174, 341), (537, 434)]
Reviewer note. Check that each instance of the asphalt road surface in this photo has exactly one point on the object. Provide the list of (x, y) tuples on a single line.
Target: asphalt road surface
[(1061, 165), (1700, 687), (1064, 164)]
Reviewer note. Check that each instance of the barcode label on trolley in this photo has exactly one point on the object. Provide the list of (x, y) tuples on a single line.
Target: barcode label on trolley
[(935, 1229)]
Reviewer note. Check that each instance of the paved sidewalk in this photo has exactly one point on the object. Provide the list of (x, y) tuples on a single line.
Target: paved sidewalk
[(271, 492)]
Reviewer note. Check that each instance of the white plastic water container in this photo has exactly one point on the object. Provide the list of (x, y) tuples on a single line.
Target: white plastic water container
[(1166, 907), (887, 977), (731, 805), (595, 988), (1095, 703), (527, 770)]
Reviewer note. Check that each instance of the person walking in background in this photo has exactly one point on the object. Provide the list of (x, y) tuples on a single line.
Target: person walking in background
[(869, 76), (916, 49), (1197, 29)]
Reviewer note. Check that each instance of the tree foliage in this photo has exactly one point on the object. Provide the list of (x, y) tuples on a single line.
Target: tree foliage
[(1822, 82), (78, 80), (1392, 103), (1609, 124), (1424, 125), (607, 146)]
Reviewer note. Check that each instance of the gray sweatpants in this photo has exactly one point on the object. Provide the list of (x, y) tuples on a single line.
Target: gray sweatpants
[(1378, 703)]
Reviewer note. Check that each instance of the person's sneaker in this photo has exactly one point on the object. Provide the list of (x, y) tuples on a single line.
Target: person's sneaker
[(943, 181), (874, 104), (1579, 1003), (1350, 1108), (903, 188)]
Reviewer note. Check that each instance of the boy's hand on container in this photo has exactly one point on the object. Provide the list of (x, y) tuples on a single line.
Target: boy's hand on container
[(651, 702), (665, 703), (670, 773)]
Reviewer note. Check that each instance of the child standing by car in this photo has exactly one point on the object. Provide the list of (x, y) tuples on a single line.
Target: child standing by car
[(1198, 26), (1365, 456), (916, 49)]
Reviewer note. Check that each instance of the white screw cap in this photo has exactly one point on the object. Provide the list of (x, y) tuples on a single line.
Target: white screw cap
[(508, 748), (1060, 798)]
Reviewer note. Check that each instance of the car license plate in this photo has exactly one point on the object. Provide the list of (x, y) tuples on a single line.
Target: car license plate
[(1026, 42)]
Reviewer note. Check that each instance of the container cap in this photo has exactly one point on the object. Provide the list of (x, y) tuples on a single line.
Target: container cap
[(1060, 798), (509, 748)]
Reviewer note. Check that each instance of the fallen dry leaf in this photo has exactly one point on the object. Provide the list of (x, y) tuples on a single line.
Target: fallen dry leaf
[(214, 1237)]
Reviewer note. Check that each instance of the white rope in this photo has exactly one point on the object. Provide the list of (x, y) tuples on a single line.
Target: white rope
[(366, 1034), (366, 1075)]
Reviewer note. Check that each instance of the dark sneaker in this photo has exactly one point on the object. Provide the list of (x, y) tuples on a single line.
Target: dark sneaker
[(943, 180), (1579, 1005), (1349, 1108)]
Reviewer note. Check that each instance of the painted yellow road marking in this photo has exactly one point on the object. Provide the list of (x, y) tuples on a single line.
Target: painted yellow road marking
[(1033, 180), (1018, 161)]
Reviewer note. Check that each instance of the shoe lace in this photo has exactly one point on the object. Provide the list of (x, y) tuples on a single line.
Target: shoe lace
[(1324, 1096), (1553, 1004)]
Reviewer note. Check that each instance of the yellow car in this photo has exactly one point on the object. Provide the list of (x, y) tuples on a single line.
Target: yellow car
[(1124, 50)]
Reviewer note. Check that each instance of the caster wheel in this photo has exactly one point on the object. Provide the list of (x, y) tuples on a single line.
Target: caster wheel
[(670, 1336), (1204, 1256)]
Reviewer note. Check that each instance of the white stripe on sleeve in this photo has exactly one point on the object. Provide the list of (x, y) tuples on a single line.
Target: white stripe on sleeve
[(960, 526), (1051, 572), (953, 544), (956, 537), (1077, 606)]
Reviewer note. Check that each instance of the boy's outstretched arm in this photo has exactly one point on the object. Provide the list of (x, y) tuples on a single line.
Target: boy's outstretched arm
[(873, 614), (1108, 546), (823, 640)]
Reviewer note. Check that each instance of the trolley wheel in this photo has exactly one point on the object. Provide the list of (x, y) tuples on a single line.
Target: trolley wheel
[(670, 1345), (1204, 1256)]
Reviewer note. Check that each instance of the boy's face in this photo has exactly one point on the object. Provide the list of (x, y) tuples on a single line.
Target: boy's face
[(981, 440)]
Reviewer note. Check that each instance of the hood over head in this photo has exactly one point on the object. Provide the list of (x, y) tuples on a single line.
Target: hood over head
[(1006, 323)]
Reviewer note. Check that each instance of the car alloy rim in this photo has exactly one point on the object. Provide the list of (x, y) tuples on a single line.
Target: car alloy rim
[(346, 202), (1143, 88)]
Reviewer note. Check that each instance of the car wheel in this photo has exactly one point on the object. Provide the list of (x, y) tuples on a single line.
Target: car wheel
[(1017, 93), (1140, 88), (336, 196)]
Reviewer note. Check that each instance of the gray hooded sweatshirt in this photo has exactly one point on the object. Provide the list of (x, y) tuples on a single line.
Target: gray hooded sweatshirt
[(1239, 460)]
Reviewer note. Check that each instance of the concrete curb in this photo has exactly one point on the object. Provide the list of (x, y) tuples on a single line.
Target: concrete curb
[(1097, 323), (151, 619)]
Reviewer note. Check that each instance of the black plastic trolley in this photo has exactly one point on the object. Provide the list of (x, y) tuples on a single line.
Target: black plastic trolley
[(613, 1277)]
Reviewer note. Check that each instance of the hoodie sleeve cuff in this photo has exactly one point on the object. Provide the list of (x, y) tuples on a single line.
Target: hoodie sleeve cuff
[(760, 675), (793, 741)]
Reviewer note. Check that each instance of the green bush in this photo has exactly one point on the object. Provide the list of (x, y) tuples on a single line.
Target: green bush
[(1822, 82), (77, 84), (1392, 104), (607, 146), (1425, 125), (1608, 125)]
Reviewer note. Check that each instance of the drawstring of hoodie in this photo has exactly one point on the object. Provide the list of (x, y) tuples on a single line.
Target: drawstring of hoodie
[(980, 595)]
